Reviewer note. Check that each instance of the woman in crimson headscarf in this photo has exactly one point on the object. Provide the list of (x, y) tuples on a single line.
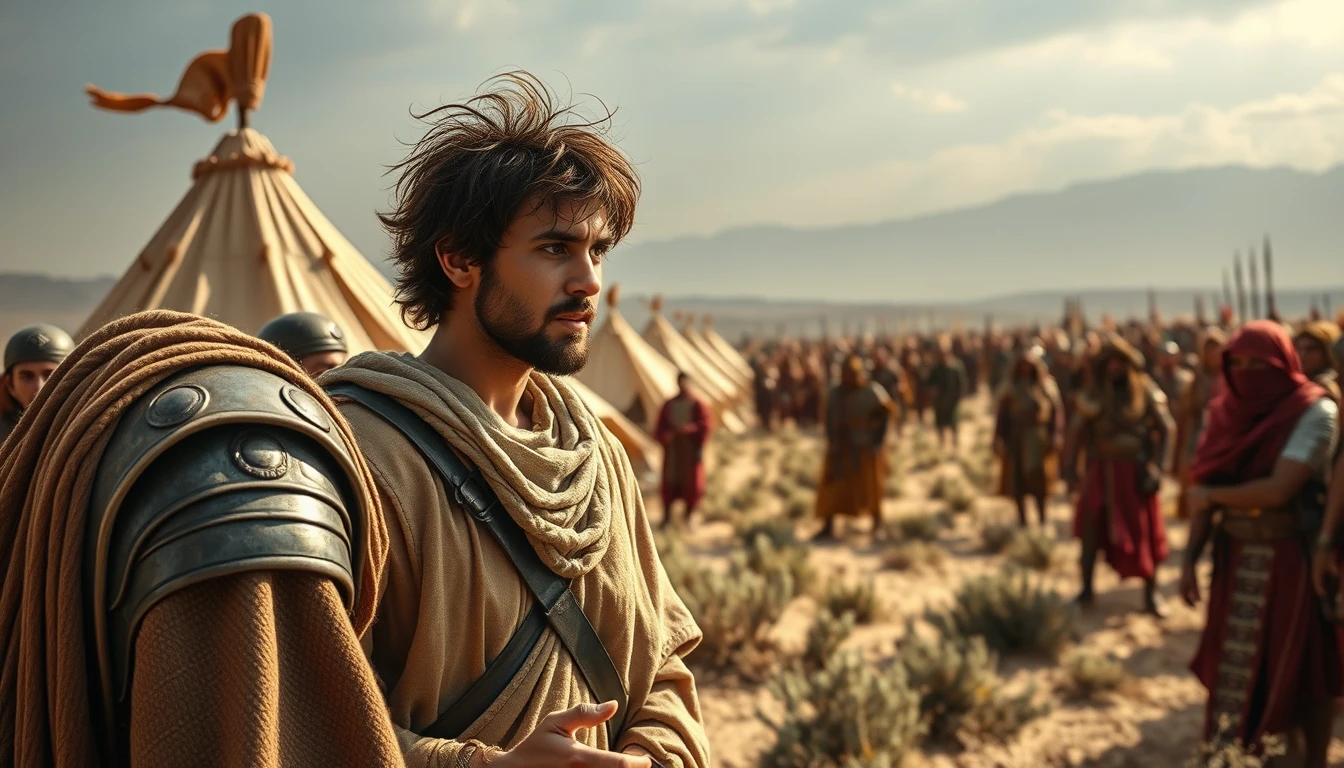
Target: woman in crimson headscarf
[(1269, 657)]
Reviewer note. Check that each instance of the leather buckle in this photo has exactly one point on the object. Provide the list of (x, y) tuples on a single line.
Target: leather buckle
[(472, 495)]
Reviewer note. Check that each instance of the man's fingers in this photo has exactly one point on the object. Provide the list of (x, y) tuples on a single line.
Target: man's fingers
[(582, 716)]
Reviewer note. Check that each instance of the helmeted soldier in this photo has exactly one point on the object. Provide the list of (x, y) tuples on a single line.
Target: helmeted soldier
[(317, 343), (30, 357), (229, 529)]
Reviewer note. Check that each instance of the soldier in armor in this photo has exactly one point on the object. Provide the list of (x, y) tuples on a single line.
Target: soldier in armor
[(765, 391), (313, 340), (853, 474), (1205, 384), (1270, 656), (946, 387), (1314, 345), (31, 355), (892, 379), (1124, 431), (1028, 434), (1170, 376), (526, 618), (194, 547), (682, 429)]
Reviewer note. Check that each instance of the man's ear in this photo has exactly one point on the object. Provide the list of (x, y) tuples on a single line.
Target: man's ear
[(459, 269)]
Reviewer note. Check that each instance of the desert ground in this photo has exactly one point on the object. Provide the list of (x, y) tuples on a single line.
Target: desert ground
[(1116, 692)]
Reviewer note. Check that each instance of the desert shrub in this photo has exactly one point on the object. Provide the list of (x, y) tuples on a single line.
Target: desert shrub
[(996, 536), (849, 714), (979, 468), (746, 499), (960, 693), (770, 546), (916, 528), (785, 486), (800, 504), (736, 610), (1033, 550), (1224, 753), (1010, 613), (1091, 674), (858, 598), (953, 489), (924, 451), (913, 556), (828, 632)]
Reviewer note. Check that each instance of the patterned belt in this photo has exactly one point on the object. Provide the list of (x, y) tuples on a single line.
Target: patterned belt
[(1259, 525)]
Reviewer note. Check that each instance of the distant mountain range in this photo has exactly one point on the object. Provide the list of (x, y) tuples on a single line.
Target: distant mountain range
[(1021, 257), (1176, 228)]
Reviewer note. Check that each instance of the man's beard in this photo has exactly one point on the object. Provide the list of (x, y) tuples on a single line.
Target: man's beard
[(504, 318)]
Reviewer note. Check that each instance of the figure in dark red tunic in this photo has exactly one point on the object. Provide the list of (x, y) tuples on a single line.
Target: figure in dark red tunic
[(1125, 432), (683, 429), (1269, 656)]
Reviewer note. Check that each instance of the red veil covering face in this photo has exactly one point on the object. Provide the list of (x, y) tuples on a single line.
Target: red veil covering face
[(1296, 654), (1251, 419)]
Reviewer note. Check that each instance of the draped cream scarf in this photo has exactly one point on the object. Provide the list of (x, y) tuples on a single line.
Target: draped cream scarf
[(556, 479)]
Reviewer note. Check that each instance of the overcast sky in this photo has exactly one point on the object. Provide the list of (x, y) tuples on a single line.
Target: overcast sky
[(738, 112)]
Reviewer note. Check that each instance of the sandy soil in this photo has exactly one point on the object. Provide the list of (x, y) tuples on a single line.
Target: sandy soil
[(1153, 721)]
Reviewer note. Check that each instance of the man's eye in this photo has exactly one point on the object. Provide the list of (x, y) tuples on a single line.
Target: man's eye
[(555, 249)]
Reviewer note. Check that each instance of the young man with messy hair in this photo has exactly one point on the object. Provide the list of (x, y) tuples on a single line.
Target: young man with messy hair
[(505, 212)]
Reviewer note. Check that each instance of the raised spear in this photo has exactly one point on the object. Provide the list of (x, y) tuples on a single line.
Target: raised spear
[(1227, 290), (1199, 309), (1241, 290), (1255, 283), (1271, 305)]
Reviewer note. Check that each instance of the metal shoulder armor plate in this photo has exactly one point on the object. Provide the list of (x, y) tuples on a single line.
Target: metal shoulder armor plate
[(216, 471)]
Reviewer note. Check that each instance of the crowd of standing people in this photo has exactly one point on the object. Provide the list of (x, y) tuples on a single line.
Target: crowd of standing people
[(1244, 418)]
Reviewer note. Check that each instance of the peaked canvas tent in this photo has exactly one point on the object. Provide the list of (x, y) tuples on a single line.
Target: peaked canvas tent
[(726, 350), (626, 371), (722, 394), (246, 244), (711, 354)]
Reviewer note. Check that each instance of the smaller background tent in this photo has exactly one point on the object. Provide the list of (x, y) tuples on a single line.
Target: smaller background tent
[(721, 393), (725, 348), (626, 371)]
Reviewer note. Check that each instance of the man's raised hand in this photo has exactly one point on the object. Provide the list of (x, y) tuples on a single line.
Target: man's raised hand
[(552, 744)]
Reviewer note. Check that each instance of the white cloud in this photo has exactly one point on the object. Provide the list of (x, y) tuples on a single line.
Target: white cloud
[(930, 100)]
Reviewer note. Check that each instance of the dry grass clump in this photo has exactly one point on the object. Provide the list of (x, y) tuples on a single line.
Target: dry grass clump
[(961, 694), (848, 714), (770, 546), (955, 490), (995, 536), (1010, 613), (858, 598), (980, 467), (800, 504), (1221, 752), (1033, 550), (916, 528), (1091, 674), (924, 451), (736, 610), (913, 556), (825, 637), (803, 467)]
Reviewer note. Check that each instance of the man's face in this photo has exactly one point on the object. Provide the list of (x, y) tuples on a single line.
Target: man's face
[(536, 299), (684, 386), (27, 379), (1314, 359), (319, 363)]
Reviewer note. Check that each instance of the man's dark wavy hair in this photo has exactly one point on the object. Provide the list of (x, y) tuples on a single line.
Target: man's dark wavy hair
[(478, 164)]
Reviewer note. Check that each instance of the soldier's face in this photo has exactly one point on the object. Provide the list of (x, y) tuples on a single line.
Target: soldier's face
[(27, 379), (319, 363), (537, 299), (1314, 359)]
